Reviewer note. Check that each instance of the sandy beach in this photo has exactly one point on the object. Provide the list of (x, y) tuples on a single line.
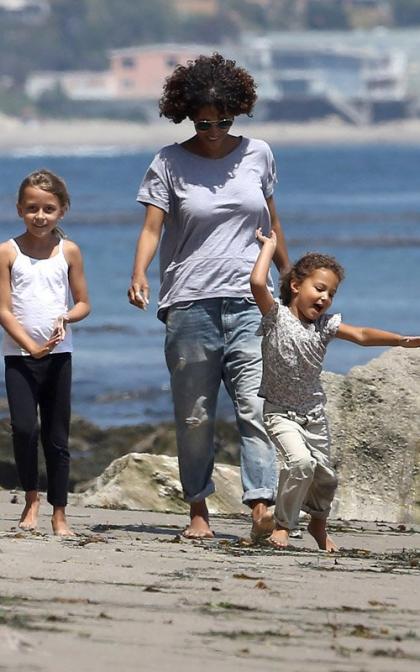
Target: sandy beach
[(129, 593), (16, 135)]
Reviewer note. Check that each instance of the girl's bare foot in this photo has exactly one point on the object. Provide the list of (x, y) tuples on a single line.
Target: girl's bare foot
[(199, 527), (262, 521), (59, 523), (318, 529), (279, 538), (29, 518)]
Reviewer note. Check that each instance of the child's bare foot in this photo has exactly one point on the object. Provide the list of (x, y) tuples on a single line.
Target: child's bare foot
[(318, 529), (59, 523), (29, 518), (279, 538), (199, 527), (262, 521)]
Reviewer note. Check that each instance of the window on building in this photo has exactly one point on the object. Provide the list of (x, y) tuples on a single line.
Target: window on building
[(171, 61), (128, 62)]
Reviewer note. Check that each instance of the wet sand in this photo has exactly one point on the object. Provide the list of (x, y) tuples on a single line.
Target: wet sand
[(129, 593), (37, 136)]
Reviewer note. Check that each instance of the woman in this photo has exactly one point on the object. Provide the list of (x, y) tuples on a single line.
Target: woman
[(209, 194)]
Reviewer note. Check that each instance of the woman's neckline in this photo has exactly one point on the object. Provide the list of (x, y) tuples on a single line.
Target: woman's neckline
[(210, 158)]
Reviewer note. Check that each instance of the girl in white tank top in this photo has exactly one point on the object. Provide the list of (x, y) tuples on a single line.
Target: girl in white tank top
[(39, 295), (41, 274)]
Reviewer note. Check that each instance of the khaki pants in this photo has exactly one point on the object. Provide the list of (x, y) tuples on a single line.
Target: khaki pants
[(307, 481)]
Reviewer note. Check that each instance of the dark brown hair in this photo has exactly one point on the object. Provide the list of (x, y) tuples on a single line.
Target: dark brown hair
[(47, 181), (303, 268), (208, 80)]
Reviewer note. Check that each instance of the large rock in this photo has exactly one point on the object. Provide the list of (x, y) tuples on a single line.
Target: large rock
[(374, 415), (140, 481)]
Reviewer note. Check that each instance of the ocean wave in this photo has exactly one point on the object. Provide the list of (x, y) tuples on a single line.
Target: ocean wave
[(353, 200), (116, 328), (83, 151), (103, 328), (377, 241), (353, 217), (85, 218), (146, 393)]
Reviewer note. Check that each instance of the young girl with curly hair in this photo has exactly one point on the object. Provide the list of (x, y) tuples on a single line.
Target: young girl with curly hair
[(296, 333)]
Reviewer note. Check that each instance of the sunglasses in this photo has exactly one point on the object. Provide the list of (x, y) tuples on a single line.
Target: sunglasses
[(206, 125)]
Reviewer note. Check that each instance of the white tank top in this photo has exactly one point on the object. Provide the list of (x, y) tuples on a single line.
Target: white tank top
[(39, 293)]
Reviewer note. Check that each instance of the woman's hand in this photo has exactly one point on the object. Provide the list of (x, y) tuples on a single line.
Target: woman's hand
[(259, 275), (147, 245), (138, 292), (267, 240)]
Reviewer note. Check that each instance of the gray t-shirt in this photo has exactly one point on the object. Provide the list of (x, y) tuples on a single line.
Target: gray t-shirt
[(293, 353), (212, 209)]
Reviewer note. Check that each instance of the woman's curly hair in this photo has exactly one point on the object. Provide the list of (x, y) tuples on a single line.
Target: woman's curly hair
[(303, 268), (208, 80)]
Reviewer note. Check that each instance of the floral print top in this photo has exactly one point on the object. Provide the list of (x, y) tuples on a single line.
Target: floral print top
[(293, 354)]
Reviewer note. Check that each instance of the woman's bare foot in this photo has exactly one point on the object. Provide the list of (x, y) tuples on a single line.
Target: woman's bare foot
[(29, 518), (262, 521), (279, 538), (199, 527), (318, 529), (59, 523)]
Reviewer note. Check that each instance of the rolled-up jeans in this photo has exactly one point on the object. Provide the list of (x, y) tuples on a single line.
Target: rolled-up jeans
[(307, 480), (207, 342)]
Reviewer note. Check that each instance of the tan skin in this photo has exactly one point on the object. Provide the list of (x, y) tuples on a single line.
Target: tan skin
[(41, 212), (213, 144), (311, 298)]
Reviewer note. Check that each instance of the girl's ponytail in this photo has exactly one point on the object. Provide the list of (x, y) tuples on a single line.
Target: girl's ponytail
[(60, 232)]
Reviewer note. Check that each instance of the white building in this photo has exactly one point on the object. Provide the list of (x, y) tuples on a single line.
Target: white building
[(77, 84), (25, 10)]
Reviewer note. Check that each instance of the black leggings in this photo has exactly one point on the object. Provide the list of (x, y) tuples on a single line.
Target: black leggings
[(45, 384)]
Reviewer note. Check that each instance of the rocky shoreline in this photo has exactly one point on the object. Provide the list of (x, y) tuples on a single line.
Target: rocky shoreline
[(374, 416), (93, 449)]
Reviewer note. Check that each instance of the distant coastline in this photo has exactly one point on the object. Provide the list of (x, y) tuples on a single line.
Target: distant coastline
[(58, 135)]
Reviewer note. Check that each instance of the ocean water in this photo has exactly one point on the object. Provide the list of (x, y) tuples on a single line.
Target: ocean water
[(360, 203)]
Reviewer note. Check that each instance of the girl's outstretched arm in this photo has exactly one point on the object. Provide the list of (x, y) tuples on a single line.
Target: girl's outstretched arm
[(260, 271), (370, 336), (77, 282)]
